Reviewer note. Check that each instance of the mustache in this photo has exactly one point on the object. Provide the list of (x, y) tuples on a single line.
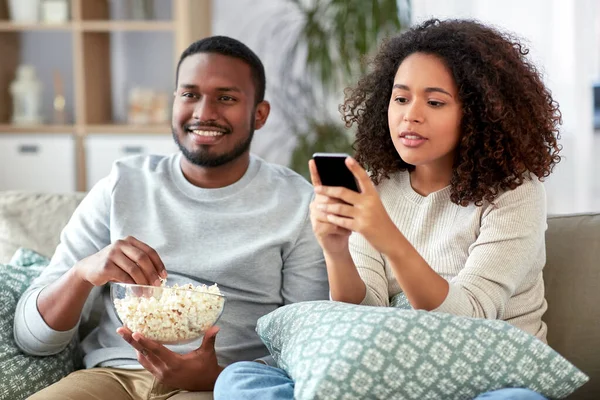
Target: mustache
[(200, 125)]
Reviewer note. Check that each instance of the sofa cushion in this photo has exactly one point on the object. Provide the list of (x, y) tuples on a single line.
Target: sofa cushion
[(572, 279), (338, 350), (23, 375), (33, 220)]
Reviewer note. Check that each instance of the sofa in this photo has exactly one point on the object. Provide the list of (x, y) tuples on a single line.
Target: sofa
[(571, 275)]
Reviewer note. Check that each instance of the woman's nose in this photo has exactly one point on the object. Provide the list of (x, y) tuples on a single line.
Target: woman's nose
[(414, 113)]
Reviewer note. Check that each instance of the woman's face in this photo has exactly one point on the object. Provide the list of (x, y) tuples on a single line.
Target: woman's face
[(424, 112)]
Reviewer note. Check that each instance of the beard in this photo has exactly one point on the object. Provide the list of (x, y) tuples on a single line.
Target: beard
[(203, 158)]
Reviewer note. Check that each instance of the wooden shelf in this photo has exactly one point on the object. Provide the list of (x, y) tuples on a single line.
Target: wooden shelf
[(91, 26), (9, 128), (92, 49), (117, 129), (109, 26), (7, 26)]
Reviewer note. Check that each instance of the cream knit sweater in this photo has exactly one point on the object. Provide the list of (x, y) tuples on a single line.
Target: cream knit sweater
[(491, 255)]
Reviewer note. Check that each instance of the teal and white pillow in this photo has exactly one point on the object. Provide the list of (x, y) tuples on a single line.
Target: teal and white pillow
[(22, 375), (342, 351)]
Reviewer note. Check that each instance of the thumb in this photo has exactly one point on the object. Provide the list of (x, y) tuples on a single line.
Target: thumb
[(208, 342)]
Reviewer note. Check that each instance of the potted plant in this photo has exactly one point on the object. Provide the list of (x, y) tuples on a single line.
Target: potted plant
[(329, 41)]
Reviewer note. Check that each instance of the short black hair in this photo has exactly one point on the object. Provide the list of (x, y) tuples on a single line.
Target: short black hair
[(233, 48)]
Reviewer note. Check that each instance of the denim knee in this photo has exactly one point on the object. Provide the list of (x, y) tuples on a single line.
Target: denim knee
[(511, 394), (246, 380)]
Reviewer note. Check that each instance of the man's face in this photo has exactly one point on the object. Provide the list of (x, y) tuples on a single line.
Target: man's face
[(214, 112)]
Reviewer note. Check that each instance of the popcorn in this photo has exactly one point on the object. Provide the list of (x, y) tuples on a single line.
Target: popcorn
[(171, 315)]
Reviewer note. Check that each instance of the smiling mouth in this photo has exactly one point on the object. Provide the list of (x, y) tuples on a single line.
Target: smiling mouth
[(204, 133)]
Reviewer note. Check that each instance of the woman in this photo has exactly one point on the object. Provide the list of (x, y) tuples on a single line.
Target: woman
[(457, 131)]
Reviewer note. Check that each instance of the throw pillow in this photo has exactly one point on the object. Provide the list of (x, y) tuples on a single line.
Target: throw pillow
[(342, 351), (22, 375), (33, 220)]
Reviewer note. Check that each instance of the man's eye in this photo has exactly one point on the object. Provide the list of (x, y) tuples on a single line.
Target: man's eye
[(226, 98), (188, 95)]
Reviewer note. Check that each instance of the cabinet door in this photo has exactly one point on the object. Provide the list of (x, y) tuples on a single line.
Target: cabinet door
[(103, 150), (40, 163)]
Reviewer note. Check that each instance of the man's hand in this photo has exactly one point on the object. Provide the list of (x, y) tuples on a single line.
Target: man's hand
[(127, 261), (194, 371)]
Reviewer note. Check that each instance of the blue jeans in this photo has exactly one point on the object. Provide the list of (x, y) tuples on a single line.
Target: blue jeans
[(250, 380)]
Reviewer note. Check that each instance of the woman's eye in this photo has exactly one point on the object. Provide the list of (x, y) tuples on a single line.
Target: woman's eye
[(401, 100), (435, 103)]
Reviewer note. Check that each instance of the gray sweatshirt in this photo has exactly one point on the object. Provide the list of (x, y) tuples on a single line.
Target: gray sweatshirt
[(253, 238)]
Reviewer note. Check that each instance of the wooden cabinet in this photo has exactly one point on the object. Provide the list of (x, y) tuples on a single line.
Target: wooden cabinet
[(91, 37)]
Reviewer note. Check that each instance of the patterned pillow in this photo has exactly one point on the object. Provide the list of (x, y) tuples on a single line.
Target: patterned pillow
[(342, 351), (22, 375)]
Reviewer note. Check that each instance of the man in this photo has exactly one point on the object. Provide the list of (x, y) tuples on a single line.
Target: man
[(210, 213)]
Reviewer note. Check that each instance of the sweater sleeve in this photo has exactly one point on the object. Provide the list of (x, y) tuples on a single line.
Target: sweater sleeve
[(304, 270), (86, 233), (509, 246), (371, 268)]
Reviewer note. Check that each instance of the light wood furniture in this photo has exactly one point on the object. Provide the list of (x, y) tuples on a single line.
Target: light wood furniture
[(90, 28)]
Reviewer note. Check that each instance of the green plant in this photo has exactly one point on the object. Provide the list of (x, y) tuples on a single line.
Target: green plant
[(330, 40)]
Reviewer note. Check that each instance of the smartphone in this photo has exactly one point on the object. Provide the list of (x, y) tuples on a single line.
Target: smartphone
[(333, 171)]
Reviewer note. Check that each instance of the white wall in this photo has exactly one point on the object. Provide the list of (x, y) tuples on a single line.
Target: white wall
[(253, 22)]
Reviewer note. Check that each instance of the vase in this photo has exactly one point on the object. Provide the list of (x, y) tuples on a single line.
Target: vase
[(24, 11), (26, 91)]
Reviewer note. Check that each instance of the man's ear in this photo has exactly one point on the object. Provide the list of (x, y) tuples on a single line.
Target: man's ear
[(261, 114)]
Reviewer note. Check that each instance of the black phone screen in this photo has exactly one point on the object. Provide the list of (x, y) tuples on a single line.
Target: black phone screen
[(333, 171)]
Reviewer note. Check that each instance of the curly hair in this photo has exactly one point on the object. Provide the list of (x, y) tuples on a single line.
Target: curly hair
[(509, 127)]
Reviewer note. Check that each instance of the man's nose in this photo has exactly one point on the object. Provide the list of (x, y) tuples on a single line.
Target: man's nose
[(205, 110)]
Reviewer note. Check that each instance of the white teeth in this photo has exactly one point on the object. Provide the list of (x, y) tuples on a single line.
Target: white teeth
[(412, 137), (207, 133)]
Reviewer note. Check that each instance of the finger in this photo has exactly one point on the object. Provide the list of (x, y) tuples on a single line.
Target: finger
[(320, 216), (142, 262), (341, 209), (123, 330), (126, 264), (208, 342), (364, 181), (340, 193), (118, 275), (314, 175), (143, 359), (155, 351), (160, 268), (347, 223), (146, 357), (147, 258), (319, 198)]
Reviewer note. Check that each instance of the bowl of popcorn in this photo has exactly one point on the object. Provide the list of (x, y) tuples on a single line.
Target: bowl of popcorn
[(168, 315)]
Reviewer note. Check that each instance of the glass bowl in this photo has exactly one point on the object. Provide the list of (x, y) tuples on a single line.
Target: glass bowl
[(168, 315)]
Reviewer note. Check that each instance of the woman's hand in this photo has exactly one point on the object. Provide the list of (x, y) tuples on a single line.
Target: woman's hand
[(332, 238), (351, 211)]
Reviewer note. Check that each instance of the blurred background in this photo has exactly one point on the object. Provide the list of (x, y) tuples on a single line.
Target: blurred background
[(84, 82)]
